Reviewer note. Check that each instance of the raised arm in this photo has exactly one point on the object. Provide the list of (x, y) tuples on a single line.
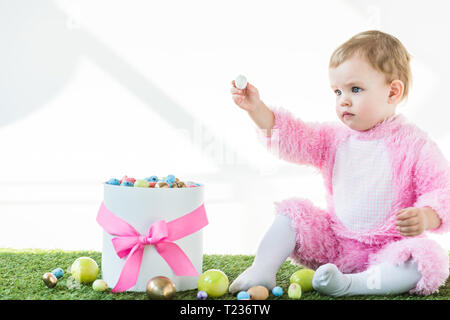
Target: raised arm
[(294, 140)]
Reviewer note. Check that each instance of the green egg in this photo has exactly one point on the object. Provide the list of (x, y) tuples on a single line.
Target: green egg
[(141, 184), (303, 277), (99, 285), (295, 291)]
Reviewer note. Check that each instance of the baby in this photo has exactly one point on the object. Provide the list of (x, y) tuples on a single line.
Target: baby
[(386, 181)]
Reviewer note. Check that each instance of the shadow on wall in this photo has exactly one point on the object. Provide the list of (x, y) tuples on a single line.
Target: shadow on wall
[(39, 52), (37, 56)]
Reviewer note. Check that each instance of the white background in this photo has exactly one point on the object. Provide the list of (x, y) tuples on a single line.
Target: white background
[(91, 90)]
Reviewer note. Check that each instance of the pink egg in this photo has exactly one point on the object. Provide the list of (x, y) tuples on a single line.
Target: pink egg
[(126, 178)]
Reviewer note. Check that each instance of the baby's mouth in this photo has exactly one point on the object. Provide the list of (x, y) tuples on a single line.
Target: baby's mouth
[(347, 115)]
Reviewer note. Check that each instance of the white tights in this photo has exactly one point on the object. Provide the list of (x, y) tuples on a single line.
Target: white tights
[(279, 242)]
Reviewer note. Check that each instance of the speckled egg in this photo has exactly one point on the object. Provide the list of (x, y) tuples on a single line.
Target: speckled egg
[(295, 291), (202, 295), (58, 273), (141, 183), (113, 181), (243, 295), (258, 293), (49, 279), (277, 291), (127, 183), (99, 285), (152, 179), (126, 178)]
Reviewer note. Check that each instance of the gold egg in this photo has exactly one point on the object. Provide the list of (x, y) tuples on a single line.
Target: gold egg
[(177, 180), (180, 184), (49, 279), (163, 185), (174, 185), (160, 288), (258, 293)]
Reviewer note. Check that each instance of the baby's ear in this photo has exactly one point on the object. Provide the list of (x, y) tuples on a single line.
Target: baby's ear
[(396, 91)]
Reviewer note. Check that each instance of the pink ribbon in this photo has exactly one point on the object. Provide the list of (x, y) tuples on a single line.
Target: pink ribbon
[(130, 243)]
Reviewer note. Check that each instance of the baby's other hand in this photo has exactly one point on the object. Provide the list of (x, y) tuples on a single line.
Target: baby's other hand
[(411, 221), (247, 98)]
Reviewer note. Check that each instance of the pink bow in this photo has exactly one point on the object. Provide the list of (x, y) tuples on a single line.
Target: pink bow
[(130, 243)]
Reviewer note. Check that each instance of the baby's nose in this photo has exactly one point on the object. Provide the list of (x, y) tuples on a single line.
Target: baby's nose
[(345, 101)]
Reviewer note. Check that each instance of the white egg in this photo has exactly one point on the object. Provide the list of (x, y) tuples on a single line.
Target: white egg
[(241, 82)]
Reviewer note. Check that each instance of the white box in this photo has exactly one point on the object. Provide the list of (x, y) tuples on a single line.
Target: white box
[(141, 207)]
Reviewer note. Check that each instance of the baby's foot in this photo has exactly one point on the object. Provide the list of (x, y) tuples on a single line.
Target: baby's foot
[(253, 277), (330, 281)]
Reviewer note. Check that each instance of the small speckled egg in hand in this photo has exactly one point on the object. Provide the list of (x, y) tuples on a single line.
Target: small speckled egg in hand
[(241, 82)]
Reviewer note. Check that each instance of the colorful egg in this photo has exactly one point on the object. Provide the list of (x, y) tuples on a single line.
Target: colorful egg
[(214, 282), (181, 184), (152, 179), (113, 181), (163, 185), (99, 285), (58, 273), (126, 178), (277, 291), (202, 295), (141, 183), (152, 184), (171, 178), (160, 288), (243, 295), (295, 291), (127, 183), (258, 293), (303, 277), (84, 270), (49, 279)]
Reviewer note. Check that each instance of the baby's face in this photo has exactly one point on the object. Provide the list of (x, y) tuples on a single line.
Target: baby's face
[(361, 91)]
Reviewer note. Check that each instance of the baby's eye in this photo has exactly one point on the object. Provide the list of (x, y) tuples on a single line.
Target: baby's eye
[(356, 89), (338, 92)]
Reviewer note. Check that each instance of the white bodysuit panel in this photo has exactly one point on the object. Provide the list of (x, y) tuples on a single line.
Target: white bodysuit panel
[(363, 189)]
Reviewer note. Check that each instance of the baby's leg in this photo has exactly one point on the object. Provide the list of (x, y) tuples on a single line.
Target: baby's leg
[(382, 279), (300, 230), (275, 247)]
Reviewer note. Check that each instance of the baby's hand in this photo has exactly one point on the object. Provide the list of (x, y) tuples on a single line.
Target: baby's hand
[(247, 98), (411, 221)]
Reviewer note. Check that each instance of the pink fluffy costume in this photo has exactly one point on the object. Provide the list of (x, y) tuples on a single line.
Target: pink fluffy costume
[(369, 176)]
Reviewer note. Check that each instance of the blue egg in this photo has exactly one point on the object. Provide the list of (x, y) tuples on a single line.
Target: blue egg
[(114, 182), (243, 295), (277, 291), (127, 184), (171, 178), (58, 273), (152, 179), (202, 295)]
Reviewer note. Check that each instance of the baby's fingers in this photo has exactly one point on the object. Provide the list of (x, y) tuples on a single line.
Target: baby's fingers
[(237, 91)]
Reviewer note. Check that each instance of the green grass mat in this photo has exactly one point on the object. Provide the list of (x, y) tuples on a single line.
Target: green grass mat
[(21, 278)]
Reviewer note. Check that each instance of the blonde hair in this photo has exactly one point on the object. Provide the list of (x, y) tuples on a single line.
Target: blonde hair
[(384, 52)]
